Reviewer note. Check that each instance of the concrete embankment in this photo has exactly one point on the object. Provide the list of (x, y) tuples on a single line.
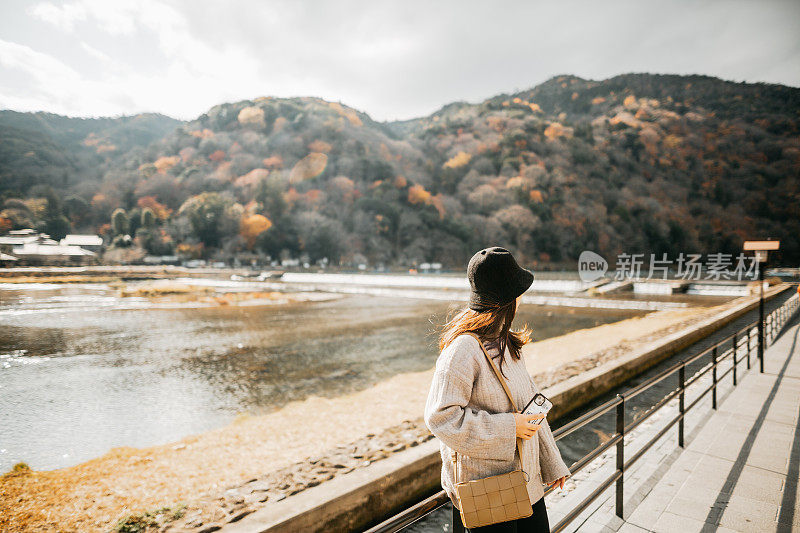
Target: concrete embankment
[(357, 500)]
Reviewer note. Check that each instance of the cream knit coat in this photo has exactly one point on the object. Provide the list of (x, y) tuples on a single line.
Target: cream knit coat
[(470, 413)]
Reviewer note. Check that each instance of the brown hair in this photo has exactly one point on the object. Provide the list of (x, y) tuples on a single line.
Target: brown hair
[(493, 325)]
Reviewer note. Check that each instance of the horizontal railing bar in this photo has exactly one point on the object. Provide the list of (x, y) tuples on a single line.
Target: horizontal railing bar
[(412, 514), (699, 374), (719, 378), (674, 368), (581, 421), (680, 416), (699, 397), (666, 399), (567, 429), (652, 441), (569, 517), (578, 465), (636, 391)]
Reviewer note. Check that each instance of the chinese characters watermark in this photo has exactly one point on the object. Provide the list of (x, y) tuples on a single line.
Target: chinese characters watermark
[(636, 267)]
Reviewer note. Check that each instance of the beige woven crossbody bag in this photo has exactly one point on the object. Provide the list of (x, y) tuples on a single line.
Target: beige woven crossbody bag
[(498, 498)]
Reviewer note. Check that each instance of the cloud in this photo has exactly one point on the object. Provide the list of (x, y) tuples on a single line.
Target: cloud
[(187, 71), (95, 53), (63, 17), (116, 18), (391, 59), (40, 66), (50, 84)]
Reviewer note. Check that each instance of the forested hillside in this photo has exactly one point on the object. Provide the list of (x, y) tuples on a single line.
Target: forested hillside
[(637, 163)]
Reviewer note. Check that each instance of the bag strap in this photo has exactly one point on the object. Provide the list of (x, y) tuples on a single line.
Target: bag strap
[(500, 377)]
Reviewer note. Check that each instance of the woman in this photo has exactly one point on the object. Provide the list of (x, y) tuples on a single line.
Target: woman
[(467, 408)]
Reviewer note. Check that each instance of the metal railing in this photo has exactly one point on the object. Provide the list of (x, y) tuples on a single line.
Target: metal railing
[(737, 346)]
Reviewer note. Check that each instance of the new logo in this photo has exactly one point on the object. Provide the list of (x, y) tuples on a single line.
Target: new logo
[(591, 266)]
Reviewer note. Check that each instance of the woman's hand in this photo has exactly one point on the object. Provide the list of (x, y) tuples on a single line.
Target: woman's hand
[(558, 483), (526, 425)]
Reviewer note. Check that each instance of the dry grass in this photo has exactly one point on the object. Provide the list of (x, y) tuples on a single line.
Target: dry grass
[(235, 297), (162, 288), (184, 293)]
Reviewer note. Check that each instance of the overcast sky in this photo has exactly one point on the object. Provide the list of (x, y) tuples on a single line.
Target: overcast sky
[(392, 59)]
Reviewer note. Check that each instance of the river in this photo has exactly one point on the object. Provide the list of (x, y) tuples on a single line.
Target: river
[(83, 369)]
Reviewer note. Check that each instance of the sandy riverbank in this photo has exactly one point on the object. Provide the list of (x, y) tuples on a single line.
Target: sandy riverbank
[(199, 469)]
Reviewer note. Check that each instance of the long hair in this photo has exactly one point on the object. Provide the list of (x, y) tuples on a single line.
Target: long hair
[(493, 325)]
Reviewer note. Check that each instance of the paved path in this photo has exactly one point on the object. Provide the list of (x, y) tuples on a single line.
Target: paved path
[(740, 470)]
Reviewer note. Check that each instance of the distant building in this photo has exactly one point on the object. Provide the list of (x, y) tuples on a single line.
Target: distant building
[(161, 260), (7, 260), (51, 253), (26, 246), (17, 238), (92, 243), (430, 267)]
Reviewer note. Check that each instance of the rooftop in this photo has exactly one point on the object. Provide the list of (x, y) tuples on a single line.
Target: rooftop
[(74, 239), (34, 248)]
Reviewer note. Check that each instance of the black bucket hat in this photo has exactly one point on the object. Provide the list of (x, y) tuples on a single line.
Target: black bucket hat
[(495, 278)]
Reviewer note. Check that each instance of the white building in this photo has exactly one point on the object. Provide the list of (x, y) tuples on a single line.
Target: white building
[(6, 259), (17, 238), (50, 253), (88, 242)]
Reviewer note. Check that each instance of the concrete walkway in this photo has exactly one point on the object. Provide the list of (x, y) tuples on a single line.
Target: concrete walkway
[(740, 470)]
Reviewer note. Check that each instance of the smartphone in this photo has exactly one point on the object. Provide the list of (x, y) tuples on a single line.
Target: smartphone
[(539, 404)]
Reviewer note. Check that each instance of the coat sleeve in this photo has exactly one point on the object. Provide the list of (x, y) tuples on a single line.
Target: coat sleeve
[(472, 432), (551, 464)]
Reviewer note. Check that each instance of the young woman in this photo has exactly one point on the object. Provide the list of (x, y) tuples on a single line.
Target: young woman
[(467, 408)]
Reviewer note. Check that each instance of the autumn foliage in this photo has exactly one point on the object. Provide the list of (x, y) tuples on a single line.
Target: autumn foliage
[(458, 160), (161, 211), (637, 163), (251, 227), (309, 167)]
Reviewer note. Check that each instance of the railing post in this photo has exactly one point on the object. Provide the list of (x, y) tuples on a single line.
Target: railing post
[(735, 349), (714, 378), (620, 451), (761, 344), (761, 319), (681, 387), (748, 347)]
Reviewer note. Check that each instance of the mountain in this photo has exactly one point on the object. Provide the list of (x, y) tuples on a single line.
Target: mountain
[(47, 149), (638, 163)]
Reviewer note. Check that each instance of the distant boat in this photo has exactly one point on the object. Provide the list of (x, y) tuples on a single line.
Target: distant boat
[(262, 276), (271, 274)]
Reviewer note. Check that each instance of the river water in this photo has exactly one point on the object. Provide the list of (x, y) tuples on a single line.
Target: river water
[(83, 369)]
